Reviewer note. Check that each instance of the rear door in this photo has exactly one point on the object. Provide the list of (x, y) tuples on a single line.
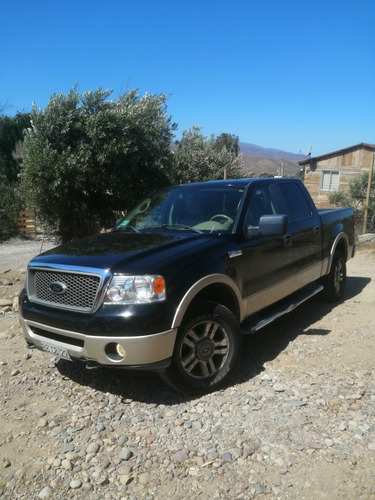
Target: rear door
[(304, 231)]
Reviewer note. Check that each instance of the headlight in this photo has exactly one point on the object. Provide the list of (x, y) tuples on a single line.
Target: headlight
[(135, 290)]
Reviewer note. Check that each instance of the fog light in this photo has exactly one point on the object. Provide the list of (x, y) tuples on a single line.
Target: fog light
[(120, 350), (115, 352)]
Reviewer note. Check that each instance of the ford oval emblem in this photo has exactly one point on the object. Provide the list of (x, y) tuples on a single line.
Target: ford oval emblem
[(58, 287)]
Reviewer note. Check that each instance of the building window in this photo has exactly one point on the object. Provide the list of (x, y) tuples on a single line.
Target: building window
[(330, 180)]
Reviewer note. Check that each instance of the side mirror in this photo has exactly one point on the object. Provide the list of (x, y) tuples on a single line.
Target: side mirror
[(269, 225)]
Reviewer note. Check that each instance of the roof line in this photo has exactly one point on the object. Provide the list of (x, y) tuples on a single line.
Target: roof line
[(363, 144)]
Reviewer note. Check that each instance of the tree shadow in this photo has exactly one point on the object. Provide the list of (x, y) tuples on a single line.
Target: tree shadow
[(258, 349)]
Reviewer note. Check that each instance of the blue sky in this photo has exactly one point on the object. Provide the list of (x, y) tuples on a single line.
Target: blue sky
[(285, 74)]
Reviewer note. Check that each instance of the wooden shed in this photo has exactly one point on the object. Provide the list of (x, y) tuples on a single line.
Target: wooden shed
[(333, 171)]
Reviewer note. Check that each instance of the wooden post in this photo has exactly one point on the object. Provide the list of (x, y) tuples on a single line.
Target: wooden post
[(368, 194)]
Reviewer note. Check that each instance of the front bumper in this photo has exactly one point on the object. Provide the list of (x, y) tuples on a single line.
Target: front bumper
[(141, 352)]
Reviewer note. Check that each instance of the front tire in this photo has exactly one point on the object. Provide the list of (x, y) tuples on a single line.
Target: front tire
[(206, 350), (334, 283)]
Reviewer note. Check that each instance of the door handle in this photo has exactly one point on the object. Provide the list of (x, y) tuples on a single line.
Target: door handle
[(288, 240), (317, 230)]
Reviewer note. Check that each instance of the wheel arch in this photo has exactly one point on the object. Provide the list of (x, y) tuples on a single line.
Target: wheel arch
[(215, 287), (341, 244)]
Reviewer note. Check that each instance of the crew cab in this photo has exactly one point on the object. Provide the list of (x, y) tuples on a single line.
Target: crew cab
[(178, 282)]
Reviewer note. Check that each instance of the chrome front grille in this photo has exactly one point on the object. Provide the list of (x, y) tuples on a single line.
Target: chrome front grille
[(75, 291)]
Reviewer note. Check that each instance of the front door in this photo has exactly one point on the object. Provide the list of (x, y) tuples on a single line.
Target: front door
[(267, 260)]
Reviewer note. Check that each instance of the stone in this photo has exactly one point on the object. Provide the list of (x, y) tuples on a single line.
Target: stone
[(179, 457), (126, 479), (6, 302), (46, 492), (125, 454), (67, 464), (144, 478), (76, 483), (93, 448), (279, 387), (43, 422), (15, 304)]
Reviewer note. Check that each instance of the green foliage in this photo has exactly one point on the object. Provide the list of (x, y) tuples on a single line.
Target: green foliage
[(10, 205), (340, 199), (11, 137), (200, 159), (87, 157), (356, 198), (228, 141)]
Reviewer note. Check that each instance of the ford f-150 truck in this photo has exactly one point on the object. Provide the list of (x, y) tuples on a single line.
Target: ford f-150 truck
[(191, 268)]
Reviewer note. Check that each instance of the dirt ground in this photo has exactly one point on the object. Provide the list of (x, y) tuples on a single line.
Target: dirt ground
[(355, 314)]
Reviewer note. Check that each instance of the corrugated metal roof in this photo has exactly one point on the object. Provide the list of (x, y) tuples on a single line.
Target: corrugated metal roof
[(362, 144)]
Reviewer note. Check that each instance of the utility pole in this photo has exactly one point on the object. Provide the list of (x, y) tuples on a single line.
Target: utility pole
[(368, 194)]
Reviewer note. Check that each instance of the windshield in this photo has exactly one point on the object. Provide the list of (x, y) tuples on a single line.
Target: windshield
[(192, 207)]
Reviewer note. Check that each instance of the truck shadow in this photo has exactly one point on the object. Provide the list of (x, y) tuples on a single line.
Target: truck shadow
[(258, 349), (269, 342)]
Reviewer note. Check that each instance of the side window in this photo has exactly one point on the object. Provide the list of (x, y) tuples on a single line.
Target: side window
[(262, 202), (296, 202)]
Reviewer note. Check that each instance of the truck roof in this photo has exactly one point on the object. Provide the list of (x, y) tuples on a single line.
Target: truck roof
[(238, 182)]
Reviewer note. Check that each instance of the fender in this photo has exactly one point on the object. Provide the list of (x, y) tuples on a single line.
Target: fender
[(212, 279), (339, 238)]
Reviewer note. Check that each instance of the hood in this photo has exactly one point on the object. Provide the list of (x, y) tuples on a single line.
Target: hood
[(121, 251)]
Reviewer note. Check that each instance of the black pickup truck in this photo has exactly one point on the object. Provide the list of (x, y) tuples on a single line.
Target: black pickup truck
[(176, 283)]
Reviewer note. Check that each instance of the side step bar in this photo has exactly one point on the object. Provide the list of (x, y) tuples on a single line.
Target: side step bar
[(286, 307)]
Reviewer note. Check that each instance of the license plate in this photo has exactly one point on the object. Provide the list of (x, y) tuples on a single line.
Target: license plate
[(59, 352)]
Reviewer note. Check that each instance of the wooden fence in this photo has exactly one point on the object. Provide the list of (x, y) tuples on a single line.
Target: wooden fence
[(26, 222)]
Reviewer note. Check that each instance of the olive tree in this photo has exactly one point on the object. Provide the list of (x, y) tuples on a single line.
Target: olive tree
[(10, 205), (11, 138), (198, 158), (229, 141), (88, 156)]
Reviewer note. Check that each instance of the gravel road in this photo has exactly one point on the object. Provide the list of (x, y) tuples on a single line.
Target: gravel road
[(17, 252), (298, 420)]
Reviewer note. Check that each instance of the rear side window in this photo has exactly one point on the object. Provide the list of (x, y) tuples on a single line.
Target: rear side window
[(297, 205)]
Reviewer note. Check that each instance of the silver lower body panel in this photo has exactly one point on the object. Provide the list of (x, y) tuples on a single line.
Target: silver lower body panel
[(141, 350)]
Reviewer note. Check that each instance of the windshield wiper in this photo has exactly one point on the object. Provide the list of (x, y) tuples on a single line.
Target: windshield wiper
[(124, 228), (180, 226)]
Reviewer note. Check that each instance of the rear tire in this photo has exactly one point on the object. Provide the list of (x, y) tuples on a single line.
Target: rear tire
[(206, 350), (334, 283)]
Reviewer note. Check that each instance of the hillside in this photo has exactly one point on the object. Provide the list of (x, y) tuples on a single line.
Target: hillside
[(258, 160)]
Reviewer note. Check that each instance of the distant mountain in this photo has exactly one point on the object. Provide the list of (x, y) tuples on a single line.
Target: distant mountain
[(258, 151), (258, 160)]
